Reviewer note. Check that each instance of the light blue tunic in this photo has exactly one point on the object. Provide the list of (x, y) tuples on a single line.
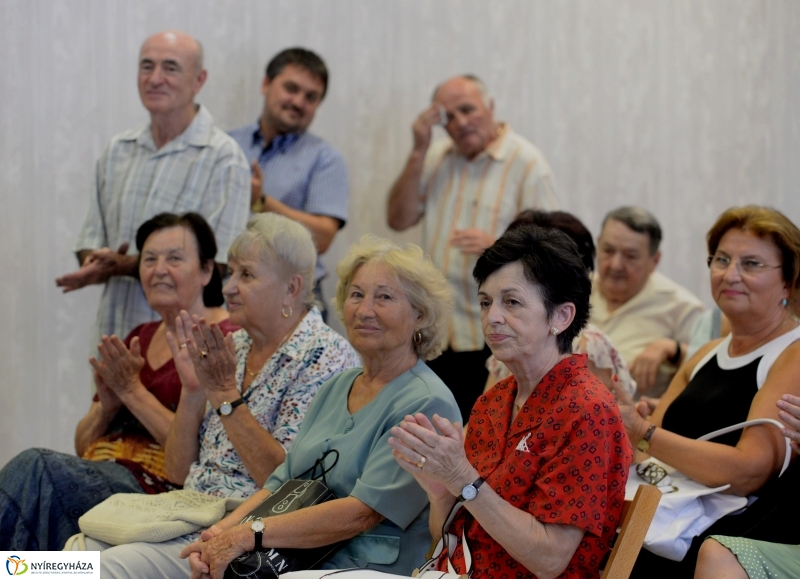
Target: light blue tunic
[(366, 468)]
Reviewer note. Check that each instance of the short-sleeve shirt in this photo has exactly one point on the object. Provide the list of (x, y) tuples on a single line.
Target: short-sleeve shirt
[(564, 459), (278, 399), (366, 468), (301, 171), (201, 170), (486, 192)]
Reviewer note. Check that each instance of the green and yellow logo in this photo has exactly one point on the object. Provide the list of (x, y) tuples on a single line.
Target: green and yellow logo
[(16, 566)]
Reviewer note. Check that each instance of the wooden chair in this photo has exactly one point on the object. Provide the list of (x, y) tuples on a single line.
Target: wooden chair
[(636, 517)]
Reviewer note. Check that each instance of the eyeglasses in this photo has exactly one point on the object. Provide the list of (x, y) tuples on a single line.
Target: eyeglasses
[(746, 266), (656, 475)]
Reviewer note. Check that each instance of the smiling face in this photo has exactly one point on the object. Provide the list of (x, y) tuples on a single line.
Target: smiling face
[(624, 263), (291, 99), (255, 291), (377, 314), (470, 120), (756, 295), (170, 271), (170, 73), (513, 316)]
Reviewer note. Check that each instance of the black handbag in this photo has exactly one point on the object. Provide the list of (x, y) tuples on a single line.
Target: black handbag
[(292, 495)]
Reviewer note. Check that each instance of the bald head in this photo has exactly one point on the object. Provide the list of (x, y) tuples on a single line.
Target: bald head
[(181, 42)]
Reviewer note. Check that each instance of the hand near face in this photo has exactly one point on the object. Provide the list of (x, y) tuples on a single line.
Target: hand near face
[(790, 415), (423, 127), (98, 267), (182, 358), (445, 466), (644, 368), (256, 184), (213, 355), (471, 241), (120, 367), (210, 558)]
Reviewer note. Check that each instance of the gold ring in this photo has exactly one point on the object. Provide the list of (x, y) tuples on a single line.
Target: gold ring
[(203, 354), (422, 462), (183, 346)]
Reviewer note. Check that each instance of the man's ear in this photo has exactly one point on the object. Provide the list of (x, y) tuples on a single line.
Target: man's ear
[(200, 80), (265, 86), (656, 258)]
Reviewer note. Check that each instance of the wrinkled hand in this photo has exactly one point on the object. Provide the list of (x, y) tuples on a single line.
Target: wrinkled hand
[(790, 415), (256, 184), (182, 358), (213, 357), (422, 127), (644, 368), (210, 558), (109, 402), (471, 241), (445, 467), (119, 368), (98, 267)]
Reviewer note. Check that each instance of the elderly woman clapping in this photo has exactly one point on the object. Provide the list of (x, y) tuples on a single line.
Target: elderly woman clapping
[(243, 397), (395, 307), (542, 471)]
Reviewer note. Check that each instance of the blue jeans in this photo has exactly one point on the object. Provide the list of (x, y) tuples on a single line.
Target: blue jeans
[(43, 493)]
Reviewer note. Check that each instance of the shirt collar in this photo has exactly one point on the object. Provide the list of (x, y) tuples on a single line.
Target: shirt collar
[(197, 134), (280, 142), (498, 150)]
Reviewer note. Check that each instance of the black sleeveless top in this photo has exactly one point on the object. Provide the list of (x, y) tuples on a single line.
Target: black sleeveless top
[(714, 398)]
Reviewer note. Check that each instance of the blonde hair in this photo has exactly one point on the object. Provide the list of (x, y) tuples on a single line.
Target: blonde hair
[(425, 286), (286, 242)]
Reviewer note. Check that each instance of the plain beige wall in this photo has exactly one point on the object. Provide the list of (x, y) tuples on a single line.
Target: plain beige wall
[(684, 107)]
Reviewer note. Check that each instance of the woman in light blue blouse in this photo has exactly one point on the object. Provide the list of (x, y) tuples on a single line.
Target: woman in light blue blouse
[(395, 306)]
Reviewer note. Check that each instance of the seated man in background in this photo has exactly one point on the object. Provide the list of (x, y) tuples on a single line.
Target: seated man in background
[(469, 187), (295, 173), (648, 316), (178, 162)]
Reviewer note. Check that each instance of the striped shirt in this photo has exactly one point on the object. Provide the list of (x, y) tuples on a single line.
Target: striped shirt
[(201, 170), (301, 171), (486, 192)]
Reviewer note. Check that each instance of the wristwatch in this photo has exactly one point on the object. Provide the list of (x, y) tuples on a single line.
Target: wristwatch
[(644, 442), (227, 407), (257, 526), (470, 491)]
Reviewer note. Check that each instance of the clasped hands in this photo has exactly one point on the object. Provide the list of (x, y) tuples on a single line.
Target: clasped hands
[(436, 459), (205, 358), (98, 267), (644, 368), (211, 555)]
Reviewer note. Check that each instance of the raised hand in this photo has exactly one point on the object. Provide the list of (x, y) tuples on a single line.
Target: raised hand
[(256, 184), (182, 358), (423, 125), (120, 367), (109, 401), (213, 355)]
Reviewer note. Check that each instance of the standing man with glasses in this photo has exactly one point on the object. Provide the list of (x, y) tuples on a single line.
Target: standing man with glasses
[(648, 316)]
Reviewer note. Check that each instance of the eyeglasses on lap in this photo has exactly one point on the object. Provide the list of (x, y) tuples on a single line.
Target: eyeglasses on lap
[(655, 474)]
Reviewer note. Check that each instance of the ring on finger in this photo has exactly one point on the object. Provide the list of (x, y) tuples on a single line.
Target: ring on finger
[(422, 462), (183, 345), (203, 354)]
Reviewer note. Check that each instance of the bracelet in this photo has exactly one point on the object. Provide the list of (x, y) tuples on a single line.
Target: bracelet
[(676, 357)]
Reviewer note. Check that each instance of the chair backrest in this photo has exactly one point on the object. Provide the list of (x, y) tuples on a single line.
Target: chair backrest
[(636, 517)]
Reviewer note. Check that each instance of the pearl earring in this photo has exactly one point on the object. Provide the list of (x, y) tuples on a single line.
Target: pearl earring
[(554, 330), (784, 302)]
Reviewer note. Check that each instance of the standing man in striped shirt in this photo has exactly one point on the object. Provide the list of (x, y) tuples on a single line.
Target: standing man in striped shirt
[(178, 162), (295, 173), (469, 188)]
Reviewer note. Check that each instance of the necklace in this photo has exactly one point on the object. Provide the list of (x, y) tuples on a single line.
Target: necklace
[(285, 339)]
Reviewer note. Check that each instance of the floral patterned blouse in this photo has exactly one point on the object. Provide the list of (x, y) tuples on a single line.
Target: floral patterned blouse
[(278, 399)]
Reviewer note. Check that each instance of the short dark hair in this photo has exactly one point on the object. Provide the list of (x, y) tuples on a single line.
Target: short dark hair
[(638, 220), (552, 263), (565, 222), (302, 58), (206, 247)]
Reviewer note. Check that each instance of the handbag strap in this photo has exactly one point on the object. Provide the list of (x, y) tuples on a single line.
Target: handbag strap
[(320, 463), (754, 422), (450, 541)]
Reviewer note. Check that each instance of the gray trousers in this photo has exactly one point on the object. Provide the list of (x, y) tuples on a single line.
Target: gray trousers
[(137, 560)]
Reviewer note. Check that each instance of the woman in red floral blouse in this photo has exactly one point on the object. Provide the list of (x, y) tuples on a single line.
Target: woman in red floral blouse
[(541, 473)]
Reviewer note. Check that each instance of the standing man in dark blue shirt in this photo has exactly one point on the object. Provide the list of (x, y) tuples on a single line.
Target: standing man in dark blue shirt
[(295, 173)]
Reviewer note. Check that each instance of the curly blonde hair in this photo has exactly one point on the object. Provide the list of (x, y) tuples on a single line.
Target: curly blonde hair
[(425, 286)]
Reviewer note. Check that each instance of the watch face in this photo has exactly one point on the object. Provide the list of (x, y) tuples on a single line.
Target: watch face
[(469, 492), (257, 526), (225, 408)]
